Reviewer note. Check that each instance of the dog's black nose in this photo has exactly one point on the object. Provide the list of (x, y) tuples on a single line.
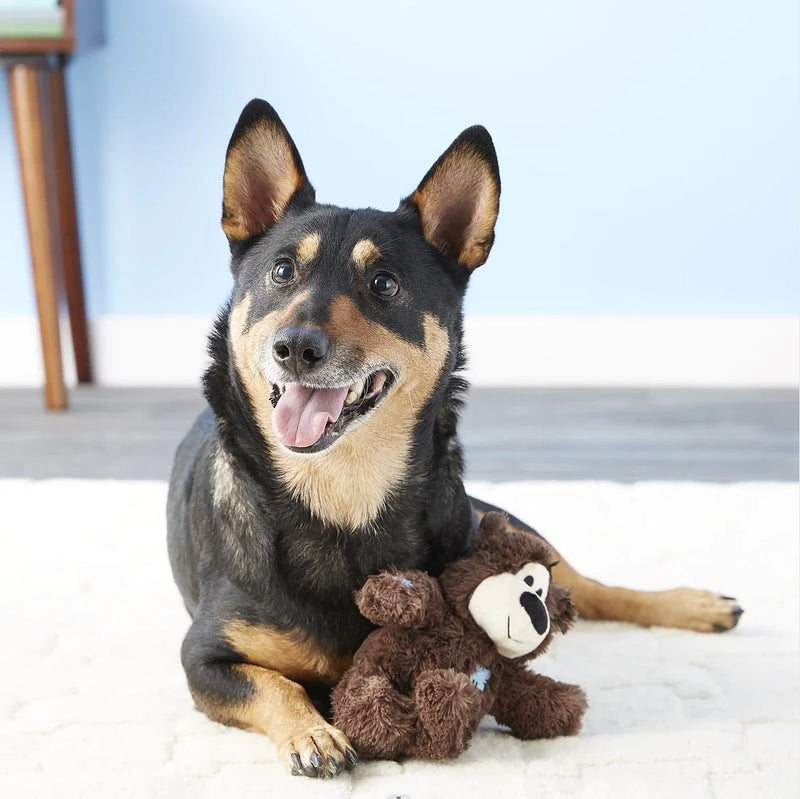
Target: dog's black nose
[(300, 349)]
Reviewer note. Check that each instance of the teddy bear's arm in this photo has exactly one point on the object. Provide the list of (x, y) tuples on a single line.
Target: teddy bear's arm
[(535, 706), (409, 599)]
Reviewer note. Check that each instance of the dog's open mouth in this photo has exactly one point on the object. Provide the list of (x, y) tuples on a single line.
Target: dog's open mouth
[(308, 419)]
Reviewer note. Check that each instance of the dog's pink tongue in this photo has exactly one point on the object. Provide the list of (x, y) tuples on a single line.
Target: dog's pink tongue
[(301, 414)]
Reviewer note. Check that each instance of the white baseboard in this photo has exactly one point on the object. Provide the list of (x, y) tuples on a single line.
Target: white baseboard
[(504, 351), (635, 351)]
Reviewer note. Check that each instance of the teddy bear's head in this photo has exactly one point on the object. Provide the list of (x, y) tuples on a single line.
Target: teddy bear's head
[(504, 587)]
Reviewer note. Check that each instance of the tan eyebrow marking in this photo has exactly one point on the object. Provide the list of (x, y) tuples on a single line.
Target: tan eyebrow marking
[(365, 253), (308, 246)]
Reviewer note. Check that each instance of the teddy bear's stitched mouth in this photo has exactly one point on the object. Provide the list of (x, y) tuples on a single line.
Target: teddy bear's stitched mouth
[(510, 637)]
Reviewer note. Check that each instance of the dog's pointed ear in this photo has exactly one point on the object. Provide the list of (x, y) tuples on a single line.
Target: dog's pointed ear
[(459, 198), (263, 174)]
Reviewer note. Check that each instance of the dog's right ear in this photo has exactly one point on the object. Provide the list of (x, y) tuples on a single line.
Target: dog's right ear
[(263, 174)]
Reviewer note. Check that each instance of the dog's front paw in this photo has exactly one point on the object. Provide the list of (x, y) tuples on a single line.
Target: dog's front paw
[(320, 751)]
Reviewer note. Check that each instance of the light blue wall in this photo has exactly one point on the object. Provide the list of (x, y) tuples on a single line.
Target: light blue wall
[(648, 151)]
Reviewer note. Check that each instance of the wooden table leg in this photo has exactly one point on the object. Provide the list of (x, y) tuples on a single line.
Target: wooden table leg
[(68, 224), (26, 92)]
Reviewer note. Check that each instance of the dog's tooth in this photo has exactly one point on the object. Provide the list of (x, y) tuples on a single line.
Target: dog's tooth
[(376, 384), (351, 397)]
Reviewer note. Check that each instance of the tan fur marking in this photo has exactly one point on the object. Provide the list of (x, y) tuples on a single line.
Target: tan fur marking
[(258, 167), (285, 700), (684, 608), (308, 247), (463, 174), (347, 485), (223, 480), (285, 652), (287, 709), (365, 253), (248, 346), (280, 709)]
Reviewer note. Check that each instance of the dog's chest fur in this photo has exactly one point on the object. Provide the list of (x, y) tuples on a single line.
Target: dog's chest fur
[(286, 568)]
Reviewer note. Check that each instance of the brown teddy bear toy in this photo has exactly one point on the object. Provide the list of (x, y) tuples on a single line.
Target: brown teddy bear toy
[(450, 651)]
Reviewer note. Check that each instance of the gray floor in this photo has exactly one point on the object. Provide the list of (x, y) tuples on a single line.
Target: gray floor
[(508, 434)]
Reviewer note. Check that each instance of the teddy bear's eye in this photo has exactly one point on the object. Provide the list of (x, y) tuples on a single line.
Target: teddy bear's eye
[(529, 580)]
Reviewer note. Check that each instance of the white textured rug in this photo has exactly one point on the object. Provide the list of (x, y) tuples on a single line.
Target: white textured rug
[(93, 701)]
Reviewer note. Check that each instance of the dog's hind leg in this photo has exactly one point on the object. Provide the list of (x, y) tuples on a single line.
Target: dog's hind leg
[(685, 608)]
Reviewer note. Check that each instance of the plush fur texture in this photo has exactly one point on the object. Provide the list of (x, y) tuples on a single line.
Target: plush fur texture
[(421, 683)]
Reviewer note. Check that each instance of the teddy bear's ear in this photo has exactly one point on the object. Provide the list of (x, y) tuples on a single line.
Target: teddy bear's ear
[(493, 525), (561, 608)]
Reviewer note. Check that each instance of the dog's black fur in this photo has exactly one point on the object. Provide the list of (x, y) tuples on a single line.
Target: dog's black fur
[(284, 568), (267, 575)]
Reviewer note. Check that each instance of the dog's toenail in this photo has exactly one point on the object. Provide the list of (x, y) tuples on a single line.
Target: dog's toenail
[(297, 766), (334, 765)]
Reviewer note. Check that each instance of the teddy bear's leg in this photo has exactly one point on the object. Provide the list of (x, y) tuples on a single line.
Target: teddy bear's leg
[(534, 706), (378, 719), (449, 708)]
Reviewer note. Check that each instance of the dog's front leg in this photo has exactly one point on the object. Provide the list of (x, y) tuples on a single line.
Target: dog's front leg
[(263, 700)]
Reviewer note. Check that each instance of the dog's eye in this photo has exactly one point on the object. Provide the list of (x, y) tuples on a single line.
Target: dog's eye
[(384, 285), (283, 272), (529, 580)]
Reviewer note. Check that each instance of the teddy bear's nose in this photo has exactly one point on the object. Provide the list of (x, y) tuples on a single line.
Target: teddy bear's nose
[(536, 611)]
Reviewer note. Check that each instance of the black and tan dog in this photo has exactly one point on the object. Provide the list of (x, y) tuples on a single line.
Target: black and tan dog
[(329, 451)]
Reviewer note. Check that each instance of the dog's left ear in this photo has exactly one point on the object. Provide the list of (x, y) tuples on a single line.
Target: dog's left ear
[(459, 198)]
